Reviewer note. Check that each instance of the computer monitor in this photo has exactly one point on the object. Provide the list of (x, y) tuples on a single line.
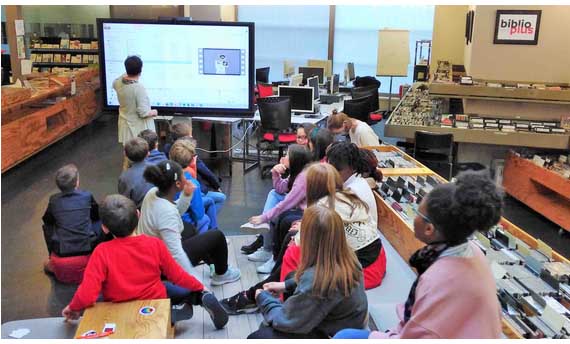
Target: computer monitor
[(296, 80), (314, 83), (359, 108), (262, 75), (275, 112), (312, 71), (301, 97), (350, 69), (335, 84), (326, 64), (367, 91), (288, 68)]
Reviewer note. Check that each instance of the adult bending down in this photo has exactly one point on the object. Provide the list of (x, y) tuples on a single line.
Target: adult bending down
[(161, 217)]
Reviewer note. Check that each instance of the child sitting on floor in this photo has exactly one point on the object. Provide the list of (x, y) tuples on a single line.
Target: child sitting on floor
[(131, 182), (130, 266), (154, 155), (71, 227)]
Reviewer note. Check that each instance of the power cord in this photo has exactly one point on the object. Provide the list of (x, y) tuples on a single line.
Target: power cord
[(234, 146)]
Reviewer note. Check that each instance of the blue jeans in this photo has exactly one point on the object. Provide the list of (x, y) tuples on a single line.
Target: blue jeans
[(178, 295), (273, 198), (211, 211), (219, 199), (352, 333)]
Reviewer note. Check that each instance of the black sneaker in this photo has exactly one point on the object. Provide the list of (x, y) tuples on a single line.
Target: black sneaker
[(254, 246), (217, 313), (239, 304), (180, 312)]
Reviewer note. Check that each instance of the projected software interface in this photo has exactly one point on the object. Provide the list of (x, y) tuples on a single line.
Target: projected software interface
[(183, 65)]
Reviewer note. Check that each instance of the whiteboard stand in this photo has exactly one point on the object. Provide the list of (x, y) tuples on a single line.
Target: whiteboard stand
[(393, 56)]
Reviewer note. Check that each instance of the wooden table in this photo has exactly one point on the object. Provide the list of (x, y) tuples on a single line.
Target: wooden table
[(130, 324)]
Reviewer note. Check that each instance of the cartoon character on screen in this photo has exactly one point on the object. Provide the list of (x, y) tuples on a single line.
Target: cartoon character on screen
[(221, 64)]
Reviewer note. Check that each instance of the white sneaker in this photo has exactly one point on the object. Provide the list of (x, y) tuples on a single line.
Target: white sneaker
[(256, 229), (260, 256), (266, 267), (232, 275)]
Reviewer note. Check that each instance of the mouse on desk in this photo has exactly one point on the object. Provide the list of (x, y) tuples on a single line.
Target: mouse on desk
[(312, 115)]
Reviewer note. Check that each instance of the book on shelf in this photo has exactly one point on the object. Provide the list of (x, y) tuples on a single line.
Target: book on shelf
[(64, 43), (85, 46), (477, 126), (447, 121), (90, 58), (67, 58), (508, 128), (491, 121), (94, 45), (565, 122), (558, 130), (462, 125), (477, 120), (542, 130), (46, 58), (33, 57), (96, 59), (462, 118), (84, 58), (75, 44), (505, 121), (37, 46), (75, 58), (550, 124), (57, 58), (44, 46)]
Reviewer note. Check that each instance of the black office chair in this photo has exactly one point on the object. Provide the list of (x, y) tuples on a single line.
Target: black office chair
[(262, 75), (375, 116), (275, 115), (358, 108), (434, 149)]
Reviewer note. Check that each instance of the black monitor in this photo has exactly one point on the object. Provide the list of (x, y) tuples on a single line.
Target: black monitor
[(301, 97), (314, 83), (275, 112), (367, 91), (335, 80), (350, 68), (312, 71), (359, 108), (262, 75)]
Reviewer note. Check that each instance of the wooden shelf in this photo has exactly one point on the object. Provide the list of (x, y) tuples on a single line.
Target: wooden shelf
[(65, 51), (59, 64), (518, 139), (547, 192), (499, 93)]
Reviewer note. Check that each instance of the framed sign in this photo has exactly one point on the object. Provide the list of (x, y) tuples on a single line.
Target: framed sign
[(517, 27)]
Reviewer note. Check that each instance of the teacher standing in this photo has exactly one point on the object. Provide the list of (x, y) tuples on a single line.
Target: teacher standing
[(135, 114)]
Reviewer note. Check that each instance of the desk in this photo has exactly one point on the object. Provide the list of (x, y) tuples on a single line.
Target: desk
[(129, 322), (230, 121)]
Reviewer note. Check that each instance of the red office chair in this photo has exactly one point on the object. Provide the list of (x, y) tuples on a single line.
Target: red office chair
[(262, 91), (275, 115)]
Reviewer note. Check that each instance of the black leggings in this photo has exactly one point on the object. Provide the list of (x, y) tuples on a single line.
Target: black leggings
[(266, 332), (275, 274), (282, 226), (210, 247)]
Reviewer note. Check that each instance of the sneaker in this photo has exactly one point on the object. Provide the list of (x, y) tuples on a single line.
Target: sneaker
[(230, 276), (266, 267), (260, 256), (239, 304), (250, 227), (183, 311), (217, 313), (254, 246)]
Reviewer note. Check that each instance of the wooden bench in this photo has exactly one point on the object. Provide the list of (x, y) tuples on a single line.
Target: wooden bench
[(130, 320)]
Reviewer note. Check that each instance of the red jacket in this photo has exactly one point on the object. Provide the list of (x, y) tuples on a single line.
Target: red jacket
[(125, 269)]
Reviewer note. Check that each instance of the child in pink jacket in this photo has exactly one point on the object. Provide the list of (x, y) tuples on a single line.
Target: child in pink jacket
[(454, 295)]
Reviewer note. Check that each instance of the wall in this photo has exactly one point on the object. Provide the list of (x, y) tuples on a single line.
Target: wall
[(145, 12), (448, 38), (64, 14), (546, 62)]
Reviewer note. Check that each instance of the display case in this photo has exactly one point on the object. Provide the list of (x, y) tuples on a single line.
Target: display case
[(532, 280), (41, 114)]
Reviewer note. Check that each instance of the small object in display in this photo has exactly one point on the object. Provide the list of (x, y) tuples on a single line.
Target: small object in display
[(477, 120), (466, 80), (508, 128), (565, 122), (542, 130), (494, 85), (85, 46), (539, 86), (75, 44), (557, 131), (447, 121), (520, 85), (75, 58), (94, 45), (57, 58), (84, 58), (64, 43), (505, 121)]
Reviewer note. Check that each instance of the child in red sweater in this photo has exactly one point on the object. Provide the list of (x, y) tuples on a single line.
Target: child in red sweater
[(129, 267)]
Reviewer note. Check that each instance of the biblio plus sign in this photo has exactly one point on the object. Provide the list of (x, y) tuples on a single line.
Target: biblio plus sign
[(517, 27)]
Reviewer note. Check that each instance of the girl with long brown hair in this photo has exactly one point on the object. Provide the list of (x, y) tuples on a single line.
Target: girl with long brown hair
[(328, 289), (325, 188)]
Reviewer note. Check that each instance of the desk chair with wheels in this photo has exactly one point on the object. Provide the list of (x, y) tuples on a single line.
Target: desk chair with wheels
[(369, 91), (358, 108), (275, 115), (435, 149)]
